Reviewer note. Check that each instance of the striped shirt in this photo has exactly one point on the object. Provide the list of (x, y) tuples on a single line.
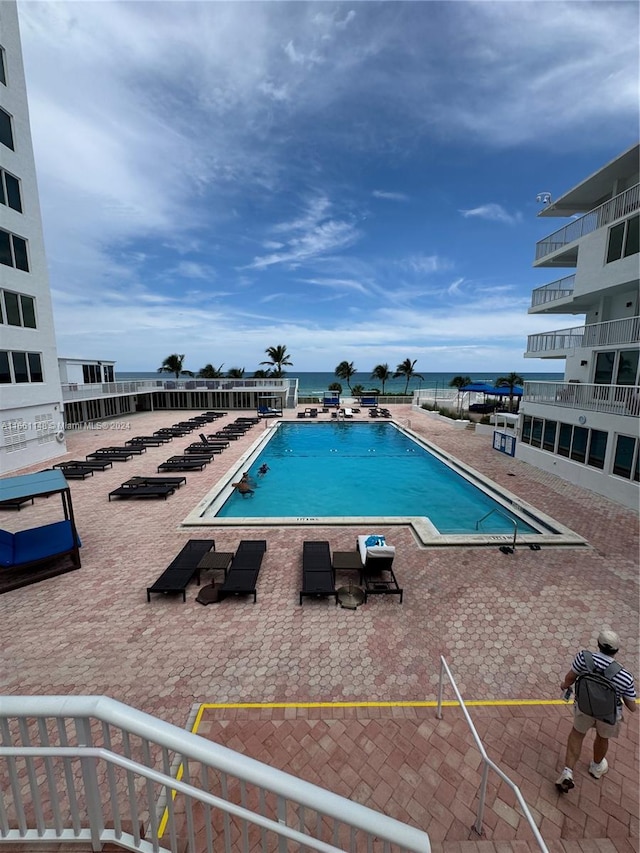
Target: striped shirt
[(622, 681)]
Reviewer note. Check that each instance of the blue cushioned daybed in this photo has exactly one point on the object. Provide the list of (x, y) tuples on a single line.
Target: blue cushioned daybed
[(31, 555)]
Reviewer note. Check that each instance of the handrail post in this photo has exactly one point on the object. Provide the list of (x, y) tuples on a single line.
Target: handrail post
[(91, 786), (440, 689), (482, 797)]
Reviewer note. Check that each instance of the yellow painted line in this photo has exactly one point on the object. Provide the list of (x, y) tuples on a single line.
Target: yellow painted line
[(432, 703)]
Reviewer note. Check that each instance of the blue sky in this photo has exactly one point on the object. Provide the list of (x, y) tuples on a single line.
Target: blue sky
[(353, 180)]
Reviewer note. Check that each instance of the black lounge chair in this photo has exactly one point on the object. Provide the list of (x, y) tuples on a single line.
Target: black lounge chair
[(77, 472), (110, 453), (376, 574), (175, 482), (147, 440), (194, 463), (94, 464), (317, 572), (134, 491), (178, 574), (243, 574), (18, 503)]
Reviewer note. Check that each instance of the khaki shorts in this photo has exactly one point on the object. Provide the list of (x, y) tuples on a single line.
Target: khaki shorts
[(583, 722)]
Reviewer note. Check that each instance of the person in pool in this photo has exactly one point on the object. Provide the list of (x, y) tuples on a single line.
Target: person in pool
[(262, 470), (243, 487)]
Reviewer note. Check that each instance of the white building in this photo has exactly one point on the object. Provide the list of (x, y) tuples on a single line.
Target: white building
[(31, 411), (585, 429)]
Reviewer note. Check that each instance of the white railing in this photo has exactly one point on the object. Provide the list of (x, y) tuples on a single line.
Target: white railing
[(559, 289), (609, 399), (90, 391), (613, 332), (620, 205), (487, 763), (91, 769)]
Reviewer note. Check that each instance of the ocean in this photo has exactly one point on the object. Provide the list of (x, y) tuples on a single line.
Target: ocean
[(313, 384)]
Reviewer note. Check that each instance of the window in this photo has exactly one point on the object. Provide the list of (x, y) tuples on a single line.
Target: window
[(20, 367), (5, 373), (3, 66), (35, 366), (564, 440), (597, 448), (20, 372), (13, 251), (579, 444), (628, 367), (604, 368), (549, 436), (91, 373), (536, 432), (625, 463), (108, 373), (624, 239), (6, 131), (19, 309), (526, 429), (12, 307), (10, 191)]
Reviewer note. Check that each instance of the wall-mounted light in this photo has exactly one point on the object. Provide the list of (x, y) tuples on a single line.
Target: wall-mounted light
[(629, 304), (583, 363)]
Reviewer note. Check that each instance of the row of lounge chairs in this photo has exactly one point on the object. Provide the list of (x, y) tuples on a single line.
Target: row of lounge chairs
[(374, 565), (241, 575), (378, 412), (241, 570)]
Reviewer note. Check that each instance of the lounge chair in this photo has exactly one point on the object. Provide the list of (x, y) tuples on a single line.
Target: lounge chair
[(317, 572), (94, 464), (268, 412), (175, 482), (141, 490), (148, 440), (193, 463), (18, 503), (243, 574), (109, 453), (182, 569), (377, 574)]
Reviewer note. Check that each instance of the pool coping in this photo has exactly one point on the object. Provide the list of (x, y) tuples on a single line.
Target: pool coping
[(425, 533)]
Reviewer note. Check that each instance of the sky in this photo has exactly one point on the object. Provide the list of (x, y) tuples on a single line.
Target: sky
[(355, 181)]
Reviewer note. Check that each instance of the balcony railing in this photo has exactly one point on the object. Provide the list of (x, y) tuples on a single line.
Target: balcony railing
[(608, 399), (613, 332), (91, 391), (558, 289), (618, 206), (93, 770)]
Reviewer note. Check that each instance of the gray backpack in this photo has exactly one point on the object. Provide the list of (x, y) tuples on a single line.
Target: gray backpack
[(595, 693)]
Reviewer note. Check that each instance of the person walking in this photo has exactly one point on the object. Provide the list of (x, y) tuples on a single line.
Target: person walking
[(600, 664)]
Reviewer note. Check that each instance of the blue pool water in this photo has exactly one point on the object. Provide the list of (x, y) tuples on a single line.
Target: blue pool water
[(362, 469)]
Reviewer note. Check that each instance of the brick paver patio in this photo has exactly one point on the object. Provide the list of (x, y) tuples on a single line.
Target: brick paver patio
[(508, 626)]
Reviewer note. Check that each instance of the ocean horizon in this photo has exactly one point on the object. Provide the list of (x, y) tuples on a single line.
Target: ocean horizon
[(316, 382)]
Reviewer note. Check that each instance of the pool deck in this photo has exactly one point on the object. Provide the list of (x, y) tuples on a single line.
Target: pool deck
[(507, 624)]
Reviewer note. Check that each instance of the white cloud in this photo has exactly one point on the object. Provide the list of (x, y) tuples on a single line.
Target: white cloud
[(493, 212), (390, 196)]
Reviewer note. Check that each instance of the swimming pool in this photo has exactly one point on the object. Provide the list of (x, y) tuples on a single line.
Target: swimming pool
[(337, 472)]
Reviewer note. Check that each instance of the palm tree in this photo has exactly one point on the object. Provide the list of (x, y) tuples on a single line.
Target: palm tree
[(509, 381), (335, 386), (381, 372), (173, 364), (405, 369), (235, 373), (357, 390), (345, 370), (261, 374), (210, 372), (278, 357), (459, 382)]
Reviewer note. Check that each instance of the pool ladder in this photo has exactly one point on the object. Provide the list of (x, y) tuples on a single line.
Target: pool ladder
[(504, 515)]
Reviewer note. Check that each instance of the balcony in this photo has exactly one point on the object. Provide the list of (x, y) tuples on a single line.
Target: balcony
[(559, 289), (555, 344), (93, 391), (617, 207), (607, 399)]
